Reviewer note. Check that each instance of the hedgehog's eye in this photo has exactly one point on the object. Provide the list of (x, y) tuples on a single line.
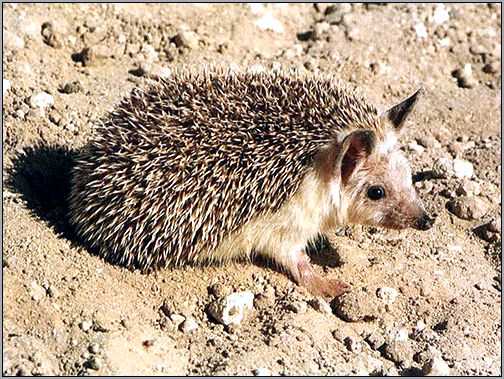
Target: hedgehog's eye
[(376, 192)]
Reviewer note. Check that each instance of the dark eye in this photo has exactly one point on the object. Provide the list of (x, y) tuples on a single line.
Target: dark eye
[(376, 192)]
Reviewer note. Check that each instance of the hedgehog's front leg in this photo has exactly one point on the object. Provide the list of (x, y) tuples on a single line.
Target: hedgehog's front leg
[(302, 271)]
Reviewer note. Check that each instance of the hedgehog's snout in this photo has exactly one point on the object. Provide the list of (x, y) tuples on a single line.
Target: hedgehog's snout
[(425, 222)]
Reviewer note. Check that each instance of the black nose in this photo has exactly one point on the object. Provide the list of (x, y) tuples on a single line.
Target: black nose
[(425, 222)]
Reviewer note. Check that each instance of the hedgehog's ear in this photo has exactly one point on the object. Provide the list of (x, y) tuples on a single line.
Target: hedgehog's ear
[(398, 114), (355, 147)]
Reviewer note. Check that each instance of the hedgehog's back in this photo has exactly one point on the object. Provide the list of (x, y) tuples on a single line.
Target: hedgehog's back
[(192, 158)]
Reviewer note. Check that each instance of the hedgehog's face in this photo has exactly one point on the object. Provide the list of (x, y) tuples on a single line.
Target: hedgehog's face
[(380, 192), (374, 178)]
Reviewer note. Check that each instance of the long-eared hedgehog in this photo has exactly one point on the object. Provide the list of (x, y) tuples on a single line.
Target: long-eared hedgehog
[(215, 164)]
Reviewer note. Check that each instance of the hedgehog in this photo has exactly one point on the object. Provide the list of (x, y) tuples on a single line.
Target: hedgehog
[(212, 165)]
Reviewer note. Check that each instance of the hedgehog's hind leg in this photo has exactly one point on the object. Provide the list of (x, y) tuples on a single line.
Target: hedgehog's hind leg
[(302, 271)]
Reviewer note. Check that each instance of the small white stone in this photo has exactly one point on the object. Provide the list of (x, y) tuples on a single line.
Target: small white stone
[(177, 319), (268, 22), (86, 325), (420, 325), (41, 101), (149, 52), (71, 39), (19, 113), (37, 292), (231, 309), (438, 274), (161, 71), (322, 306), (387, 294), (463, 169), (468, 69), (261, 371), (6, 86), (188, 325), (443, 168), (488, 361), (455, 248), (420, 30), (415, 147), (436, 367), (444, 42), (441, 15), (398, 334)]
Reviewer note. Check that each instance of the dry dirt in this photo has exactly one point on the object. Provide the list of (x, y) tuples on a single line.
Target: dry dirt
[(67, 312)]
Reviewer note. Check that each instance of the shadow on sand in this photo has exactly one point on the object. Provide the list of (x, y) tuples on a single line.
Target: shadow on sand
[(41, 175)]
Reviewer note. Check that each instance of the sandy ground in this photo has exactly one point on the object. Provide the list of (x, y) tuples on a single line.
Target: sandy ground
[(420, 303)]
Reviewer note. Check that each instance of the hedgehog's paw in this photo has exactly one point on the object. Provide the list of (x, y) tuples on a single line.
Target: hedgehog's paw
[(304, 275)]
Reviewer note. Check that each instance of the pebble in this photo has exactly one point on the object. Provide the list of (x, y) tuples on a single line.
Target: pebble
[(86, 325), (37, 292), (94, 363), (41, 101), (6, 86), (12, 41), (420, 30), (468, 188), (334, 13), (321, 306), (442, 168), (441, 15), (261, 371), (319, 29), (468, 208), (150, 54), (159, 71), (293, 51), (428, 142), (413, 146), (53, 292), (357, 305), (22, 371), (480, 286), (186, 39), (49, 36), (297, 307), (268, 22), (143, 69), (463, 169), (420, 325), (177, 319), (493, 227), (398, 351), (436, 367), (375, 340), (94, 348), (492, 67), (189, 325), (55, 117), (231, 309), (465, 77), (387, 294), (477, 50), (72, 87), (20, 114), (92, 55), (353, 344)]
